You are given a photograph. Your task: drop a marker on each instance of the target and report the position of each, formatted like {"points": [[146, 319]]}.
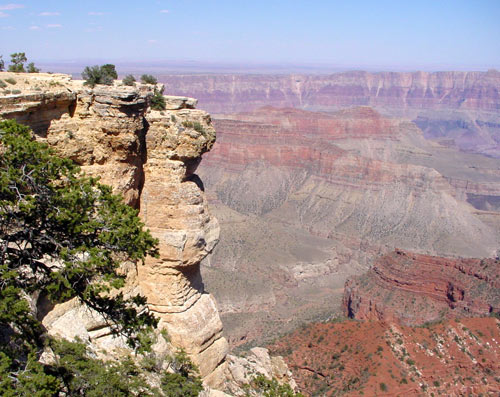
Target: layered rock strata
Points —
{"points": [[306, 199], [149, 157], [412, 289], [456, 108]]}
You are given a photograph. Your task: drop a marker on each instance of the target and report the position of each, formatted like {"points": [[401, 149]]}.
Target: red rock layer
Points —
{"points": [[412, 289], [453, 358], [305, 140]]}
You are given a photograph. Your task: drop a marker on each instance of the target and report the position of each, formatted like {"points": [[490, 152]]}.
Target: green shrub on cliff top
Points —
{"points": [[158, 101], [94, 75], [148, 79]]}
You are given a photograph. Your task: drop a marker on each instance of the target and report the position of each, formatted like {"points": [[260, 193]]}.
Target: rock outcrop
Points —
{"points": [[149, 157], [412, 289]]}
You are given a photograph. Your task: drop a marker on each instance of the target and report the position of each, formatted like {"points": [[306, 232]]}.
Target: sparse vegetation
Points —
{"points": [[149, 79], [129, 80], [2, 84], [2, 64], [11, 81], [272, 388]]}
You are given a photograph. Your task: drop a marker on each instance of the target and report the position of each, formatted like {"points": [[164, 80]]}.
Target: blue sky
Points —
{"points": [[419, 34]]}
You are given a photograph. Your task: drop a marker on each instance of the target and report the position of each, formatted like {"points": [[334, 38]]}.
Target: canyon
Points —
{"points": [[365, 195], [458, 109], [307, 199], [414, 289]]}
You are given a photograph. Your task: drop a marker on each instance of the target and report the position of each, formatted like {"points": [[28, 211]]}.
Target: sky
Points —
{"points": [[351, 34]]}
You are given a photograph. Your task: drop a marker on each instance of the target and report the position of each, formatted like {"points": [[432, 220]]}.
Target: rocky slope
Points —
{"points": [[306, 199], [457, 108], [149, 157], [452, 358], [412, 289]]}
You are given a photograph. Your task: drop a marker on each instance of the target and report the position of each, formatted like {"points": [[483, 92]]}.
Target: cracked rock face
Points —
{"points": [[149, 157]]}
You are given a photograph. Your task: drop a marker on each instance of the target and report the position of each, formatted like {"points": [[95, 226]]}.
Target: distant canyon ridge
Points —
{"points": [[459, 109]]}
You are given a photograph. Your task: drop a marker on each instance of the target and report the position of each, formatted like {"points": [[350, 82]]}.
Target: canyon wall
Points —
{"points": [[412, 289], [306, 199], [456, 108], [150, 158]]}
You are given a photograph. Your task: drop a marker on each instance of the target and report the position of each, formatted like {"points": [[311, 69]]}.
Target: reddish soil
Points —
{"points": [[412, 289], [452, 358]]}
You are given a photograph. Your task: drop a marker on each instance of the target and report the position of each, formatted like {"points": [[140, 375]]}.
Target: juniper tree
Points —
{"points": [[63, 235]]}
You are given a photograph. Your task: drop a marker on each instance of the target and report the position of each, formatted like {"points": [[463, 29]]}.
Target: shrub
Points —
{"points": [[129, 80], [271, 388], [148, 79], [199, 128], [2, 84], [158, 101], [383, 386], [110, 70], [32, 68], [2, 64], [94, 75], [10, 80]]}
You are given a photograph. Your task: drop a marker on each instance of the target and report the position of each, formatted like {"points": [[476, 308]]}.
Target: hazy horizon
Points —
{"points": [[321, 35]]}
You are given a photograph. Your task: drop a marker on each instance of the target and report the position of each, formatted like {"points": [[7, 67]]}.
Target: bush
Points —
{"points": [[94, 75], [32, 68], [271, 388], [148, 79], [129, 80], [2, 64], [158, 101], [2, 84], [10, 80], [110, 70], [383, 386]]}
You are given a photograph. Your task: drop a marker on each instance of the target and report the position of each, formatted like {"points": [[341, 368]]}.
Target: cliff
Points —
{"points": [[150, 158], [457, 108], [306, 199], [412, 289]]}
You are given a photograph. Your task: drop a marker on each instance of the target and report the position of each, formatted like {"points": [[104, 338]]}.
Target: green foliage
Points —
{"points": [[17, 61], [109, 70], [129, 80], [84, 375], [148, 79], [2, 84], [32, 68], [62, 235], [10, 80], [383, 386], [158, 101], [94, 75], [272, 388], [2, 64]]}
